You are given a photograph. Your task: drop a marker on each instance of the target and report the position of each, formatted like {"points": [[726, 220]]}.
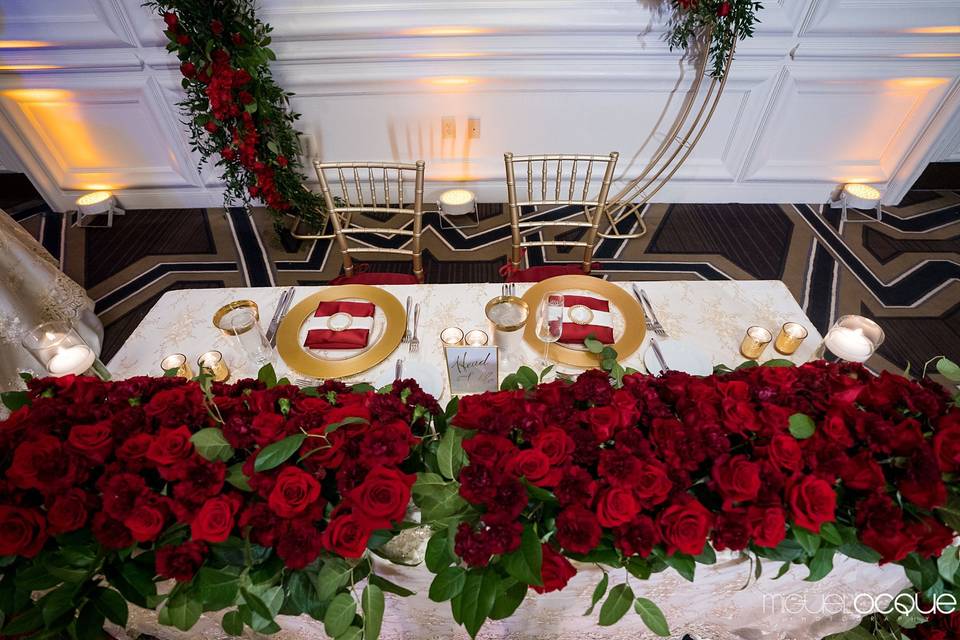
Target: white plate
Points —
{"points": [[379, 324], [681, 355], [429, 378]]}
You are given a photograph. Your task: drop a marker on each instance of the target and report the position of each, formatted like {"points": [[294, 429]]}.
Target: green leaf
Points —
{"points": [[779, 362], [922, 572], [859, 551], [256, 604], [352, 633], [89, 624], [35, 578], [546, 371], [274, 455], [113, 607], [267, 375], [477, 598], [58, 603], [232, 623], [339, 615], [217, 589], [13, 400], [371, 601], [238, 478], [616, 605], [447, 584], [182, 611], [830, 533], [332, 576], [450, 454], [802, 426], [707, 556], [251, 108], [390, 587], [539, 493], [211, 444], [593, 345], [30, 620], [857, 633], [510, 595], [949, 369], [821, 564], [949, 562], [436, 497], [683, 564], [787, 551], [748, 364], [808, 540], [524, 564], [438, 554], [527, 377], [330, 428], [950, 512], [598, 592], [652, 617]]}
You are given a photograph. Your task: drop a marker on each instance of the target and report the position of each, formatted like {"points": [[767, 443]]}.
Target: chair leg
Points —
{"points": [[418, 267], [347, 264]]}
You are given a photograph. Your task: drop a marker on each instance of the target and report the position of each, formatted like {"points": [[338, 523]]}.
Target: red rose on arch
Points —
{"points": [[616, 506], [556, 571], [181, 562], [684, 525], [578, 530], [346, 535], [214, 521], [68, 512], [382, 497], [22, 531], [812, 502], [737, 478], [293, 491]]}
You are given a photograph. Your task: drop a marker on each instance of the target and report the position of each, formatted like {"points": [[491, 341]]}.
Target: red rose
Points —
{"points": [[616, 506], [731, 530], [576, 486], [183, 39], [300, 544], [216, 27], [556, 571], [382, 497], [769, 526], [245, 97], [737, 479], [812, 502], [723, 10], [188, 69], [236, 38], [111, 533], [603, 421], [41, 464], [577, 529], [180, 563], [93, 441], [487, 449], [652, 484], [785, 452], [134, 449], [534, 465], [293, 492], [282, 161], [170, 446], [863, 473], [214, 521], [68, 512], [932, 537], [922, 484], [171, 19], [946, 442], [556, 444], [638, 537], [21, 531], [120, 493], [346, 536], [684, 525], [212, 126], [145, 522], [880, 526]]}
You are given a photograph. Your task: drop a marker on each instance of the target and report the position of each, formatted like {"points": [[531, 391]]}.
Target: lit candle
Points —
{"points": [[849, 344], [790, 338], [75, 359], [451, 336], [475, 338]]}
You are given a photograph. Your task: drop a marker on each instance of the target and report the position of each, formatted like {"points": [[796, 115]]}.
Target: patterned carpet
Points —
{"points": [[903, 271]]}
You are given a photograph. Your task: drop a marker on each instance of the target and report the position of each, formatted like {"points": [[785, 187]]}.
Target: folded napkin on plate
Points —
{"points": [[600, 326], [353, 337]]}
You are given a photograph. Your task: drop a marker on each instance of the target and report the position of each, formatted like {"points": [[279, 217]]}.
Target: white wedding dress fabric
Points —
{"points": [[33, 290]]}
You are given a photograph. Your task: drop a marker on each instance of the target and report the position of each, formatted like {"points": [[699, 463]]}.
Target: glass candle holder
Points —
{"points": [[61, 351], [177, 361], [851, 338], [475, 338], [790, 338], [451, 337], [244, 325], [212, 363], [755, 342]]}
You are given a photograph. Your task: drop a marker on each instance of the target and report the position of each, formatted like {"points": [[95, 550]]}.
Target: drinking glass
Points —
{"points": [[243, 324], [550, 324]]}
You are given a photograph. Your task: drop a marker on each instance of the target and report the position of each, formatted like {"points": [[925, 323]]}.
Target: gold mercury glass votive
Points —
{"points": [[451, 337], [755, 342], [179, 362], [475, 338], [790, 338], [212, 362]]}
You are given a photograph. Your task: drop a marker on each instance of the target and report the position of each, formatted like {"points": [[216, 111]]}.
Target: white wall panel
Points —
{"points": [[828, 90]]}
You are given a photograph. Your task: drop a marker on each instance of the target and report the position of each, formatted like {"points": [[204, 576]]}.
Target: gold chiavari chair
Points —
{"points": [[375, 189], [557, 180]]}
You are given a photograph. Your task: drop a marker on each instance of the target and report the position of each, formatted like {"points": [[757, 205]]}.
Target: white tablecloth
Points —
{"points": [[717, 607]]}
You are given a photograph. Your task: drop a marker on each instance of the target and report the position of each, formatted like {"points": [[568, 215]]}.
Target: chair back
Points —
{"points": [[364, 201], [556, 180]]}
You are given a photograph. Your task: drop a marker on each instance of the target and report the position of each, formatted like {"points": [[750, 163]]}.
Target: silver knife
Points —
{"points": [[653, 316], [282, 307], [648, 320], [659, 355]]}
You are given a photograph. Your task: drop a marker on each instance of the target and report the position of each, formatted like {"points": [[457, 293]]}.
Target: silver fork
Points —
{"points": [[655, 322], [406, 333], [398, 370], [415, 341]]}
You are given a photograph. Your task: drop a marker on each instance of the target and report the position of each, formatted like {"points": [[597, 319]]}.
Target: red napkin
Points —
{"points": [[574, 333], [348, 338]]}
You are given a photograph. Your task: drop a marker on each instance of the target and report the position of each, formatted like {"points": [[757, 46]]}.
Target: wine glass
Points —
{"points": [[549, 324]]}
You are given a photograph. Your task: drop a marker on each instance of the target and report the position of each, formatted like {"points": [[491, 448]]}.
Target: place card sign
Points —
{"points": [[472, 369]]}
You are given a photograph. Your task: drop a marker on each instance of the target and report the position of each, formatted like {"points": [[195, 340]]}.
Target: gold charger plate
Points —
{"points": [[634, 324], [299, 359]]}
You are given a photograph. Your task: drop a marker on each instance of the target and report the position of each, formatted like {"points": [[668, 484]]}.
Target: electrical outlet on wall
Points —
{"points": [[448, 127], [473, 127]]}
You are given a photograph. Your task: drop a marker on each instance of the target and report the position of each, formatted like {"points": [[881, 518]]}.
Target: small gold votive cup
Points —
{"points": [[755, 342], [790, 338], [475, 338], [212, 363], [179, 362], [451, 337]]}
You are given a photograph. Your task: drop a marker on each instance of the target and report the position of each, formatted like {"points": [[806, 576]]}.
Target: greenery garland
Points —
{"points": [[726, 20], [233, 106]]}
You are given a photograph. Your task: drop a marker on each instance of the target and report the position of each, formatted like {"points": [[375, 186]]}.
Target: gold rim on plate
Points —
{"points": [[634, 325], [300, 360]]}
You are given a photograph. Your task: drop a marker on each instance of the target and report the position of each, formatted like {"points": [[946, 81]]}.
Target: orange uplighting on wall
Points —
{"points": [[450, 81], [24, 44], [38, 95], [930, 55], [448, 54], [915, 83], [942, 30], [28, 67], [445, 31]]}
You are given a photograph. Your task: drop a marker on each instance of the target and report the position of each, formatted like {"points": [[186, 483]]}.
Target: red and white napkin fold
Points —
{"points": [[321, 336], [600, 326]]}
